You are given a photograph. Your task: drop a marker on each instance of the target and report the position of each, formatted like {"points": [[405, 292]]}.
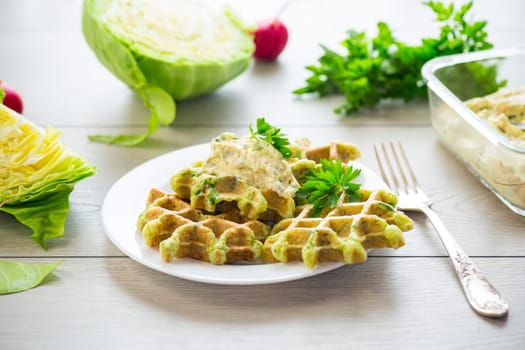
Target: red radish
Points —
{"points": [[270, 39], [12, 99]]}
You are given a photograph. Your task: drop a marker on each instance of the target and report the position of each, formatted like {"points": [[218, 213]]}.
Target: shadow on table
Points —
{"points": [[353, 290]]}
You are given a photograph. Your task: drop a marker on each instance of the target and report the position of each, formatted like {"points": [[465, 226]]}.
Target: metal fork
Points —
{"points": [[480, 293]]}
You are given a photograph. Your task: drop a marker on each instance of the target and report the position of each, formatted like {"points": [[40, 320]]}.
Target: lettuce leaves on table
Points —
{"points": [[17, 277], [37, 174]]}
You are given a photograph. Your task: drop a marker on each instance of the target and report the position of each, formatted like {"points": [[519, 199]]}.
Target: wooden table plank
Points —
{"points": [[395, 302]]}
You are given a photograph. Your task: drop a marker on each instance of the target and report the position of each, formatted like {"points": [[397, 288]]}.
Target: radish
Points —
{"points": [[12, 99], [270, 39]]}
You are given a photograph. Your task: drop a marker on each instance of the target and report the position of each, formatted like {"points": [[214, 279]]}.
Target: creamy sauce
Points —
{"points": [[505, 111], [254, 161]]}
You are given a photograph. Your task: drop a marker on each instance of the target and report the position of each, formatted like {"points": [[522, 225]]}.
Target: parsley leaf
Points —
{"points": [[324, 186], [382, 67], [272, 135]]}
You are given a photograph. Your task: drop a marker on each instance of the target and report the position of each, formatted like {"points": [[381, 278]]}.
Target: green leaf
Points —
{"points": [[17, 277], [443, 13], [160, 103], [272, 135], [45, 216], [128, 140], [163, 110], [327, 182], [2, 95]]}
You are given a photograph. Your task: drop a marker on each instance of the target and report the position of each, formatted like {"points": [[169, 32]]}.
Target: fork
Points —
{"points": [[480, 293]]}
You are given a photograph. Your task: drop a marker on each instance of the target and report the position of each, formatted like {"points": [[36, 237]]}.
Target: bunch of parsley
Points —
{"points": [[383, 67]]}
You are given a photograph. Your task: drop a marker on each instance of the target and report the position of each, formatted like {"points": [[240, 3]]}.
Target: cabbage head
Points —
{"points": [[165, 50], [37, 174]]}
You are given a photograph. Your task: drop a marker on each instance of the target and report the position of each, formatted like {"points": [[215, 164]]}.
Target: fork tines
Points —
{"points": [[406, 181]]}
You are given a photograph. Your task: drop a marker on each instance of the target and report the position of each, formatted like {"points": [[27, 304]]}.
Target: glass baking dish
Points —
{"points": [[496, 161]]}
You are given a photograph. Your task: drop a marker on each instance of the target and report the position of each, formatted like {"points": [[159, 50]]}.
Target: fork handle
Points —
{"points": [[480, 293]]}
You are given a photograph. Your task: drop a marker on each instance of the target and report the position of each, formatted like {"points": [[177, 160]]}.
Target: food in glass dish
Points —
{"points": [[505, 111], [489, 148]]}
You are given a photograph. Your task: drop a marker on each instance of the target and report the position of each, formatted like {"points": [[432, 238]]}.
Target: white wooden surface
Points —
{"points": [[99, 298]]}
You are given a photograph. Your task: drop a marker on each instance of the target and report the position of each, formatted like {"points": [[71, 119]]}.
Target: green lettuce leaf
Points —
{"points": [[162, 109], [37, 174], [17, 277], [45, 216]]}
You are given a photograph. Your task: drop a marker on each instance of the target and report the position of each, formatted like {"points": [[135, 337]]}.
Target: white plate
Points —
{"points": [[127, 199]]}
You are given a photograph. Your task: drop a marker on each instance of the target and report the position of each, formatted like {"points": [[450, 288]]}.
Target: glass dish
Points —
{"points": [[496, 161]]}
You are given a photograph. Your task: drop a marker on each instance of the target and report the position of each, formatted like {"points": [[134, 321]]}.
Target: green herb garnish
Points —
{"points": [[272, 135], [2, 95], [382, 67], [326, 183]]}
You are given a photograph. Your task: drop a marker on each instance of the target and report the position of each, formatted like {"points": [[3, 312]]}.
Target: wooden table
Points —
{"points": [[101, 299]]}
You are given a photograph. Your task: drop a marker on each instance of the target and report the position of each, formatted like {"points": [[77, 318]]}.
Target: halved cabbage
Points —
{"points": [[165, 50], [37, 174]]}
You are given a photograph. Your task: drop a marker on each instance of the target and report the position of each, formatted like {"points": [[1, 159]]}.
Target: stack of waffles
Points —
{"points": [[222, 219]]}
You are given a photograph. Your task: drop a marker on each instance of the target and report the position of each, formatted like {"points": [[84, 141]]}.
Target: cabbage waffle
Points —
{"points": [[343, 234], [181, 231], [205, 191], [343, 152]]}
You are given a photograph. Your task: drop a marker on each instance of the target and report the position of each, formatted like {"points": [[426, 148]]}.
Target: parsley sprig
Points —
{"points": [[272, 135], [324, 186], [381, 67]]}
